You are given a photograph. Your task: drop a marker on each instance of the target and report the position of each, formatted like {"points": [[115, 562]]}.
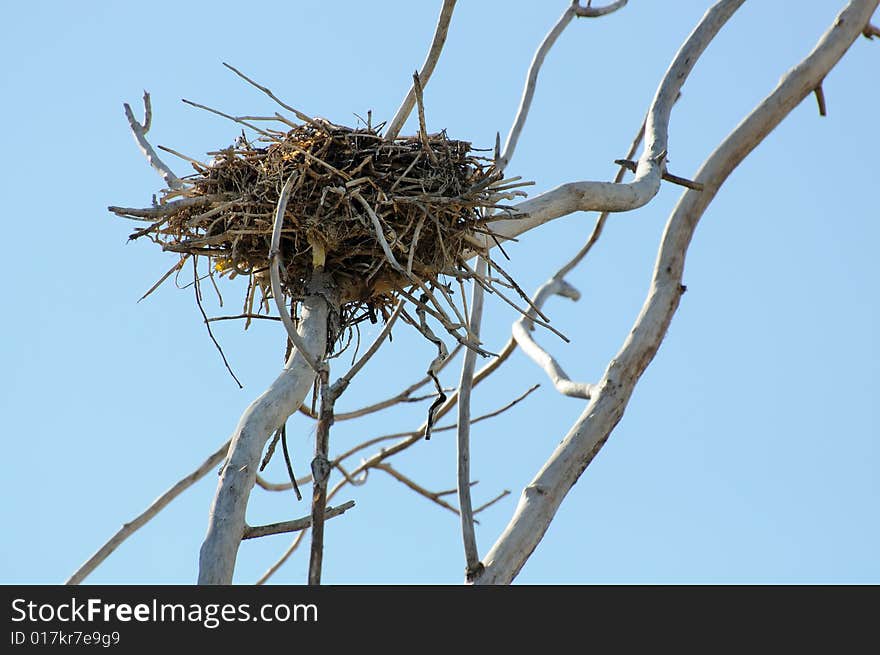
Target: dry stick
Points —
{"points": [[411, 484], [489, 504], [295, 525], [522, 334], [280, 486], [241, 316], [542, 497], [440, 32], [820, 99], [348, 477], [235, 119], [140, 136], [198, 294], [300, 115], [535, 67], [320, 474], [280, 562], [275, 275], [423, 130], [144, 517], [469, 539], [159, 282], [342, 383]]}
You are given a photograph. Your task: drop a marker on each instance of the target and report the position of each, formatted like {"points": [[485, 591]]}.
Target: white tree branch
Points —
{"points": [[275, 275], [436, 48], [522, 330], [537, 61], [609, 196], [542, 497], [139, 131], [226, 524], [469, 538]]}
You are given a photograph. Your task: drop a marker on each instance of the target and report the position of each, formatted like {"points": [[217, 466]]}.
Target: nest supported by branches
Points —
{"points": [[384, 218]]}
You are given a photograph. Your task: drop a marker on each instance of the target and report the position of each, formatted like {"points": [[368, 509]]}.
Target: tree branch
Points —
{"points": [[542, 497], [227, 518], [295, 525], [424, 75], [528, 94], [522, 334], [614, 197], [469, 538], [139, 131]]}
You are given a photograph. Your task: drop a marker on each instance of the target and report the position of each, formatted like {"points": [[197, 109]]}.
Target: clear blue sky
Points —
{"points": [[749, 452]]}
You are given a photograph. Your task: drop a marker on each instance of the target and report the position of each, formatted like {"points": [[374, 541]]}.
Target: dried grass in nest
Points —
{"points": [[429, 194]]}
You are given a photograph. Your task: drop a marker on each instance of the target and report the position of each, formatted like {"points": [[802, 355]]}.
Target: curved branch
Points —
{"points": [[139, 131], [609, 196], [541, 498], [295, 525], [436, 48], [266, 414], [522, 333], [535, 67]]}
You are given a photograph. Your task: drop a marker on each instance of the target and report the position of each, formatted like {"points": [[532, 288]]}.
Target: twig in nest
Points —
{"points": [[423, 132]]}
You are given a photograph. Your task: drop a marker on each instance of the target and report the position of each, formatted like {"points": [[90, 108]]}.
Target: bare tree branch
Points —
{"points": [[528, 94], [144, 517], [295, 525], [522, 333], [259, 421], [542, 497], [608, 196], [139, 131], [469, 538], [275, 275], [440, 32]]}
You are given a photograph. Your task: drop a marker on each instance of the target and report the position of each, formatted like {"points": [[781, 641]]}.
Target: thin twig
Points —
{"points": [[281, 560], [489, 504], [198, 294], [469, 539], [295, 525], [669, 177], [144, 517], [140, 136], [396, 123], [300, 115], [340, 385], [411, 484], [423, 130], [320, 474]]}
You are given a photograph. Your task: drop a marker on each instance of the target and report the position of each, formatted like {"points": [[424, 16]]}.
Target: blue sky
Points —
{"points": [[749, 452]]}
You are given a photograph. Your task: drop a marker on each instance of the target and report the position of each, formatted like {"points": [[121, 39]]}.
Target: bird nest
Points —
{"points": [[386, 218]]}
